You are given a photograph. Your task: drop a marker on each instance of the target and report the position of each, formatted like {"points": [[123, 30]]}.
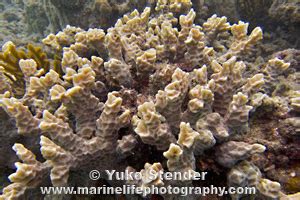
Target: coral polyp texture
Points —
{"points": [[154, 88]]}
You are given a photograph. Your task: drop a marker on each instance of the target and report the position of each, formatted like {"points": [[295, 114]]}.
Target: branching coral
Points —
{"points": [[17, 70], [246, 174], [204, 99]]}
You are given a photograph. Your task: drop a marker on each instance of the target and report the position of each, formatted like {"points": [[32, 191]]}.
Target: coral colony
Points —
{"points": [[154, 92]]}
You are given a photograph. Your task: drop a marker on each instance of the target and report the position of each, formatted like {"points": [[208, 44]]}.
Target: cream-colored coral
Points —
{"points": [[238, 113], [186, 22], [231, 152], [200, 140], [151, 127], [169, 100], [195, 47], [269, 188], [215, 124], [170, 41], [200, 103], [110, 121], [213, 28], [150, 175], [60, 161], [155, 167], [227, 78], [215, 25], [253, 84], [101, 108], [90, 39], [187, 136], [199, 76], [70, 59], [28, 175], [75, 100], [28, 67], [295, 100], [290, 196], [275, 68], [26, 123], [145, 62], [118, 72], [239, 31], [243, 43], [246, 174], [62, 38], [178, 160]]}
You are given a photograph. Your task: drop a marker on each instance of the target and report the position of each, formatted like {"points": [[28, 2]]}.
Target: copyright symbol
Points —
{"points": [[94, 175]]}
